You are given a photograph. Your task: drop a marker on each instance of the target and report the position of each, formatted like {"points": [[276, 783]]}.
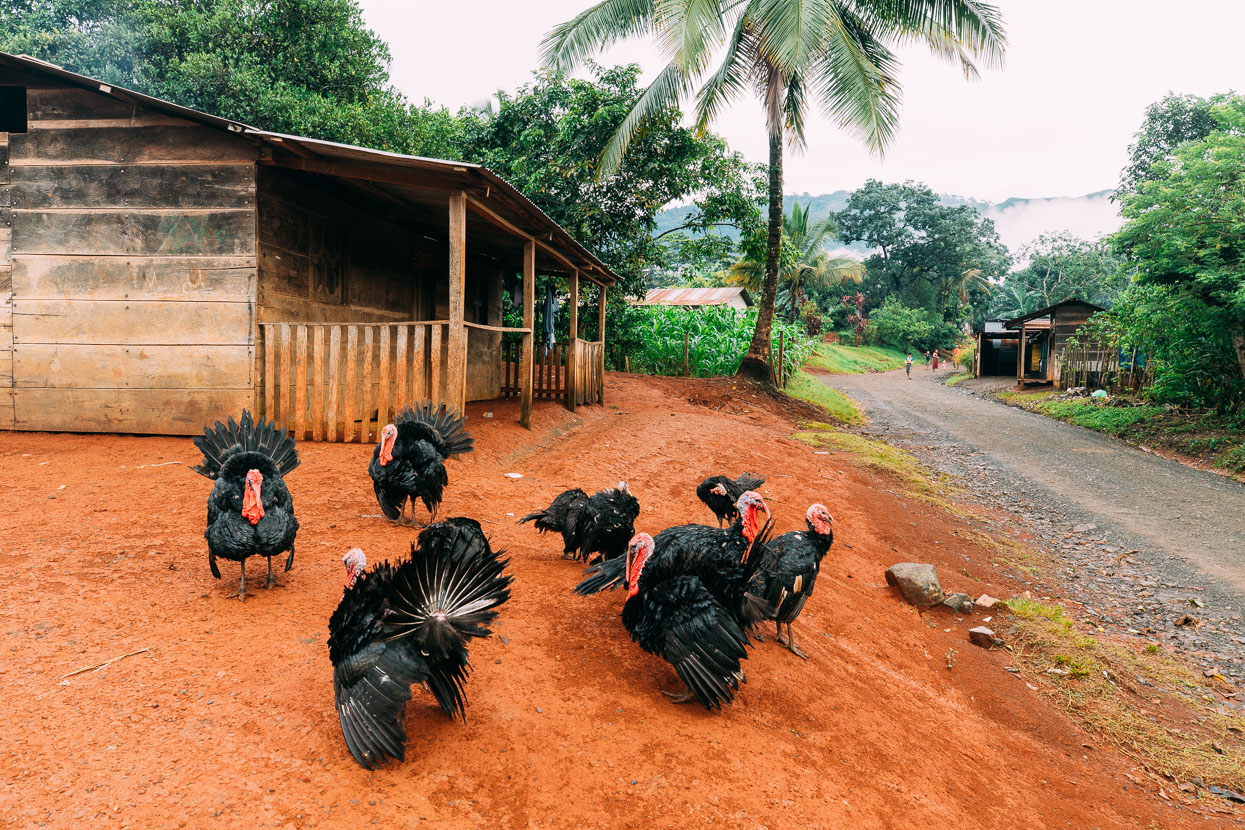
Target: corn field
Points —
{"points": [[717, 339]]}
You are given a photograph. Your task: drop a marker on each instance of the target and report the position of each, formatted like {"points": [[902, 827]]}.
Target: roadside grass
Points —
{"points": [[1025, 399], [838, 360], [957, 378], [838, 406], [1146, 704], [1113, 420]]}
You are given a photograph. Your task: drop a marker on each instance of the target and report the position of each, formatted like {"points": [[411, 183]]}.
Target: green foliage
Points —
{"points": [[308, 67], [1233, 459], [904, 328], [1060, 267], [837, 359], [718, 336], [837, 405], [1113, 420], [545, 139], [928, 256], [1168, 123]]}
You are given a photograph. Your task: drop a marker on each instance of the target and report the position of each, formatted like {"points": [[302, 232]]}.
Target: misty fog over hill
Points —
{"points": [[1018, 221]]}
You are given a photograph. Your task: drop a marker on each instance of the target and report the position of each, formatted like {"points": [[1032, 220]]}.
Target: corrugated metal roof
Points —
{"points": [[477, 178], [695, 296], [1043, 312]]}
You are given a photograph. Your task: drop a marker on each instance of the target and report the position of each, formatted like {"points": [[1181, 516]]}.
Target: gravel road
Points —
{"points": [[1167, 540]]}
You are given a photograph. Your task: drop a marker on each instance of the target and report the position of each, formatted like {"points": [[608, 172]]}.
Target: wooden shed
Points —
{"points": [[1042, 336], [161, 268]]}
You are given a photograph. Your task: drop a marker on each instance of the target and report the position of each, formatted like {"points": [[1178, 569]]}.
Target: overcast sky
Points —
{"points": [[1055, 120]]}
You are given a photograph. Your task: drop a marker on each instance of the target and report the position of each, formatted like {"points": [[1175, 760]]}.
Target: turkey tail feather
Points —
{"points": [[603, 576], [756, 608], [447, 423], [223, 440], [748, 481]]}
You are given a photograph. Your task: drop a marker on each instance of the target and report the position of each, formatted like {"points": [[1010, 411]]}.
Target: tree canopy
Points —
{"points": [[1060, 267]]}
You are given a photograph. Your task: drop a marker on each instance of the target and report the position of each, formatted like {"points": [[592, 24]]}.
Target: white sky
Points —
{"points": [[1054, 121]]}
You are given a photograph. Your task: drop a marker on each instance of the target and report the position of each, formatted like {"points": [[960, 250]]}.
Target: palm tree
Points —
{"points": [[804, 265], [792, 54]]}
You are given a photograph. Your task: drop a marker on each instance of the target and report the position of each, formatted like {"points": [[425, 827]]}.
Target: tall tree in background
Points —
{"points": [[1060, 267], [792, 55], [1169, 122]]}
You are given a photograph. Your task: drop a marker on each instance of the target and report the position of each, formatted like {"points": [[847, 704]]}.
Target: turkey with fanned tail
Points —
{"points": [[398, 625], [250, 512], [409, 460]]}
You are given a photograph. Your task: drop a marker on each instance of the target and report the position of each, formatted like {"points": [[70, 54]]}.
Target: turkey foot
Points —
{"points": [[272, 580], [789, 643]]}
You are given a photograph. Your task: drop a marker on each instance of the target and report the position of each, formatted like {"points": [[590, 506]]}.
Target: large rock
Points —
{"points": [[981, 636], [918, 583]]}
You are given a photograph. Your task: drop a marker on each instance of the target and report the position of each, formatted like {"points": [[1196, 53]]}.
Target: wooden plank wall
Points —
{"points": [[6, 290], [133, 267]]}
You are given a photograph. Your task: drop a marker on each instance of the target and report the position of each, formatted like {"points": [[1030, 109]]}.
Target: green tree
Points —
{"points": [[309, 67], [545, 139], [1061, 267], [1184, 226], [928, 255], [803, 263], [1168, 123], [793, 55]]}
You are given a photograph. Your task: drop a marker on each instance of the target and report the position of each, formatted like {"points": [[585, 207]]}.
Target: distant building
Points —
{"points": [[735, 297], [1030, 347]]}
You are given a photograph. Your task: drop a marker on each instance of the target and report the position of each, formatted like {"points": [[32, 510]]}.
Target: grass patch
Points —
{"points": [[845, 360], [954, 379], [1149, 706], [838, 406], [865, 452], [1233, 459], [1113, 420]]}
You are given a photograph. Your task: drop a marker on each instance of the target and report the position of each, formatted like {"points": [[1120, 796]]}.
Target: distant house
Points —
{"points": [[1031, 346], [735, 297]]}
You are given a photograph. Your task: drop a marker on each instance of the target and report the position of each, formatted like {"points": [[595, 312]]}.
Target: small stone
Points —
{"points": [[981, 636], [960, 603], [1085, 528], [985, 602], [917, 582]]}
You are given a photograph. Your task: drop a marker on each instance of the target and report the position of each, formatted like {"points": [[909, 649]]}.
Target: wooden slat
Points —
{"points": [[572, 356], [270, 368], [456, 335], [90, 366], [435, 393], [300, 383], [369, 397], [105, 186], [401, 381], [317, 385], [419, 374], [157, 233], [130, 145], [352, 381], [330, 412], [156, 411], [286, 379], [386, 369], [96, 322], [40, 277]]}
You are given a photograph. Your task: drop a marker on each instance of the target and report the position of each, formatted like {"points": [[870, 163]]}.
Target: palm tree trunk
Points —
{"points": [[757, 363]]}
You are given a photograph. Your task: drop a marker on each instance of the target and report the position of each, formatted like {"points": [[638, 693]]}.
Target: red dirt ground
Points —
{"points": [[228, 720]]}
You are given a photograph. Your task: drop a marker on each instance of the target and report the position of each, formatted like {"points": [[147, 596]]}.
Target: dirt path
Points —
{"points": [[895, 721], [1167, 539]]}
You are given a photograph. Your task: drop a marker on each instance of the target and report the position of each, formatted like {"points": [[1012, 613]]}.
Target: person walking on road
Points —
{"points": [[935, 361], [927, 358], [907, 366]]}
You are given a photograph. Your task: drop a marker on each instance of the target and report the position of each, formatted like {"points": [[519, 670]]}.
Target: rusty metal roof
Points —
{"points": [[483, 185], [695, 296]]}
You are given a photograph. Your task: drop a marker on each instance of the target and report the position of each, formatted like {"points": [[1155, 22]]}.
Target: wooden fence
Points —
{"points": [[343, 382], [549, 376], [590, 372], [1103, 366]]}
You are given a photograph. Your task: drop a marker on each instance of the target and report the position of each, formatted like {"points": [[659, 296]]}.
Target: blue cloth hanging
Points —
{"points": [[548, 312]]}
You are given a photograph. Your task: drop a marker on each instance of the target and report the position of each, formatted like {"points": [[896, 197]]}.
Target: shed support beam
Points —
{"points": [[529, 320], [456, 360], [572, 352], [601, 352], [1020, 358]]}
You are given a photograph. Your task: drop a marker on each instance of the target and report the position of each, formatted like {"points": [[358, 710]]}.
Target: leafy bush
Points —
{"points": [[1113, 420], [717, 339], [810, 315], [897, 325]]}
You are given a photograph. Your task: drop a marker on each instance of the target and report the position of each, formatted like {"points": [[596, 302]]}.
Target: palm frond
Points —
{"points": [[857, 80], [665, 90], [594, 30]]}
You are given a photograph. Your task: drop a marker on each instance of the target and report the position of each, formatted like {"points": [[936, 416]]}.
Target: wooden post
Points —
{"points": [[572, 354], [456, 360], [1020, 358], [781, 341], [601, 340], [529, 320]]}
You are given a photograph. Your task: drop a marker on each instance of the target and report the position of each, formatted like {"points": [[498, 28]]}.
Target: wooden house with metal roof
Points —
{"points": [[1040, 338], [161, 268]]}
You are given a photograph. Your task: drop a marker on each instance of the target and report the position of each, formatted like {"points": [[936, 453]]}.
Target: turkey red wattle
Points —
{"points": [[356, 563], [821, 520], [754, 512], [387, 436], [638, 552], [252, 501]]}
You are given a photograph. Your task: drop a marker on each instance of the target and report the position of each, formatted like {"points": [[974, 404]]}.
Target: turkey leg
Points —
{"points": [[789, 643], [241, 595]]}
